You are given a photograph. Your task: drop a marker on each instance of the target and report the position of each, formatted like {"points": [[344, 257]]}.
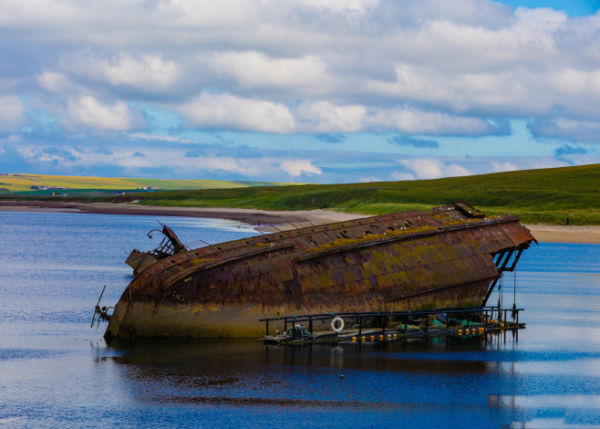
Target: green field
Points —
{"points": [[555, 195]]}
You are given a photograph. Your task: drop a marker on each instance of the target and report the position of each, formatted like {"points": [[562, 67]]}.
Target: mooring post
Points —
{"points": [[267, 327], [359, 326], [310, 325], [285, 325]]}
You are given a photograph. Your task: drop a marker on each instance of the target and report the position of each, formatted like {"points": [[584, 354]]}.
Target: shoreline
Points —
{"points": [[264, 219], [269, 221]]}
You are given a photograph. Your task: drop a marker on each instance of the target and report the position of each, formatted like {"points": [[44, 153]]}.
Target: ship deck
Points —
{"points": [[379, 327]]}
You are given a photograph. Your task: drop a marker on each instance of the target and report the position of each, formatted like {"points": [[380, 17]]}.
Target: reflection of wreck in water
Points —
{"points": [[450, 256]]}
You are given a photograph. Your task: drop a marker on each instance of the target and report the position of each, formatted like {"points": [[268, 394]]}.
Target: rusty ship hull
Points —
{"points": [[450, 256]]}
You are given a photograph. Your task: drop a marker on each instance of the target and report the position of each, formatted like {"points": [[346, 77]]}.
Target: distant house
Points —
{"points": [[39, 188]]}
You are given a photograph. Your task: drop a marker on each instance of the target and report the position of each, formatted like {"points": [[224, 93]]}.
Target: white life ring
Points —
{"points": [[337, 324]]}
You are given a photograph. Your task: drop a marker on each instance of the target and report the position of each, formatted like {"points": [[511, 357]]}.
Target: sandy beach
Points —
{"points": [[565, 234], [275, 220]]}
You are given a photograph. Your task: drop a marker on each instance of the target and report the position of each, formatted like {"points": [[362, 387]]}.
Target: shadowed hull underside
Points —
{"points": [[149, 320]]}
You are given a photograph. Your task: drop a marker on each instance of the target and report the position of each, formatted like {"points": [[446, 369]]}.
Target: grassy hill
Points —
{"points": [[77, 185], [553, 195], [539, 196]]}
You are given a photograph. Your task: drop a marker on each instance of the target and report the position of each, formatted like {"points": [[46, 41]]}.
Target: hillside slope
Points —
{"points": [[554, 195]]}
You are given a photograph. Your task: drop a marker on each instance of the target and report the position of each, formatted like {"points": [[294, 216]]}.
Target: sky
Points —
{"points": [[320, 91]]}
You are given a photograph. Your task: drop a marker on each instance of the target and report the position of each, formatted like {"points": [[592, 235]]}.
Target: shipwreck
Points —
{"points": [[448, 257]]}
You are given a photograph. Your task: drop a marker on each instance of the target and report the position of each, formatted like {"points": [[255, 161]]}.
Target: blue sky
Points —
{"points": [[303, 91], [572, 7]]}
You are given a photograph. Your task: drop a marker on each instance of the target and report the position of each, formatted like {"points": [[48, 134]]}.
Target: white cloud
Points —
{"points": [[87, 112], [548, 163], [432, 168], [575, 81], [456, 170], [155, 137], [255, 70], [398, 175], [228, 111], [202, 166], [369, 179], [54, 82], [431, 67], [414, 121], [298, 167], [148, 72], [504, 166], [340, 6], [424, 168], [568, 129], [323, 116], [12, 113]]}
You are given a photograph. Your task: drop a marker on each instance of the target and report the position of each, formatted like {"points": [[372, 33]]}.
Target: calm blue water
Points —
{"points": [[57, 372]]}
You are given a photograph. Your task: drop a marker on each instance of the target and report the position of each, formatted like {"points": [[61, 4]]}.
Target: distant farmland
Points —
{"points": [[38, 184]]}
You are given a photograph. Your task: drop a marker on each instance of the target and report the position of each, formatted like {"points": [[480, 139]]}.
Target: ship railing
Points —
{"points": [[382, 318]]}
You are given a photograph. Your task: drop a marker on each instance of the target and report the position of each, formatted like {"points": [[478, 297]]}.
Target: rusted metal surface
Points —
{"points": [[170, 245], [176, 244], [448, 256], [139, 261]]}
